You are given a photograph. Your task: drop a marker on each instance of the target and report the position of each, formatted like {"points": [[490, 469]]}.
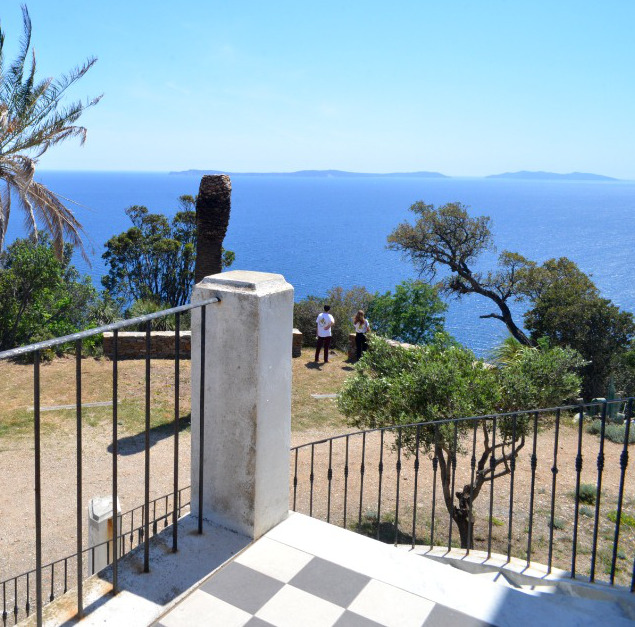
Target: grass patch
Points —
{"points": [[58, 388], [625, 519], [587, 511], [317, 378], [497, 522]]}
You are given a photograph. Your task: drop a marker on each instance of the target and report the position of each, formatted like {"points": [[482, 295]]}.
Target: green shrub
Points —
{"points": [[613, 432], [587, 494], [625, 519], [587, 511], [42, 296], [558, 524], [617, 433]]}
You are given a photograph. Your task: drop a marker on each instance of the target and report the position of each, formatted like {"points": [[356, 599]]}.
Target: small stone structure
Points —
{"points": [[352, 349], [296, 347], [132, 344]]}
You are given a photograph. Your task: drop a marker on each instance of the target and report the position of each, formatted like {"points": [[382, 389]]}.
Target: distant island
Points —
{"points": [[551, 176], [317, 174]]}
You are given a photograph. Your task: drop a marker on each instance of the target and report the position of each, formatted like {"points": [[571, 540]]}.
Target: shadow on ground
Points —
{"points": [[132, 444]]}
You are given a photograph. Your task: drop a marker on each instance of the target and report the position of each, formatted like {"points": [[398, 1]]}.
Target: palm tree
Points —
{"points": [[509, 351], [32, 119]]}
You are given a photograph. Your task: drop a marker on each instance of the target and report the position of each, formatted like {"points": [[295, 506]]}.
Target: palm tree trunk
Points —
{"points": [[212, 217]]}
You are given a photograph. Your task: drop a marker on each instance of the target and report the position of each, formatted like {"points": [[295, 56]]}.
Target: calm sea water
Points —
{"points": [[324, 232]]}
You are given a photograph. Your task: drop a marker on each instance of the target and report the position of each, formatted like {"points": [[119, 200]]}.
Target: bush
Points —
{"points": [[43, 297], [625, 519], [613, 432], [587, 494], [413, 314]]}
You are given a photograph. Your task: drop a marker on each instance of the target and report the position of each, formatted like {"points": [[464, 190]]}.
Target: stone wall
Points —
{"points": [[296, 347], [132, 344], [352, 349]]}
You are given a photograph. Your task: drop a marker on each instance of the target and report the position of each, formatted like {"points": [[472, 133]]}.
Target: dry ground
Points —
{"points": [[312, 419]]}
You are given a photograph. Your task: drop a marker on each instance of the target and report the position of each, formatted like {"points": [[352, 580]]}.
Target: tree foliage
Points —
{"points": [[154, 259], [413, 314], [448, 238], [568, 310], [42, 297], [443, 381], [564, 304], [33, 118]]}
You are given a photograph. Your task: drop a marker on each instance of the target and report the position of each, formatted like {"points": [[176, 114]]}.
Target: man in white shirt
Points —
{"points": [[325, 322]]}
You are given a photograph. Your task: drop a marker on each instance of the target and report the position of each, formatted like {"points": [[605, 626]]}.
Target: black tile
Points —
{"points": [[242, 587], [329, 581], [257, 622], [350, 619], [442, 616]]}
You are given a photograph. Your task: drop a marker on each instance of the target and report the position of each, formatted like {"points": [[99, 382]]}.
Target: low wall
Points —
{"points": [[352, 349], [132, 344], [296, 347]]}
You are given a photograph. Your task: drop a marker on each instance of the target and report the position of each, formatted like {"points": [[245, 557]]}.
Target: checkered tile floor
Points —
{"points": [[272, 584]]}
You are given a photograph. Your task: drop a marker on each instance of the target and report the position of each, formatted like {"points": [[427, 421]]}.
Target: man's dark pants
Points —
{"points": [[326, 342]]}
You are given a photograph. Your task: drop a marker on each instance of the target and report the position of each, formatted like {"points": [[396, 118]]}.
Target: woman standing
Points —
{"points": [[361, 329]]}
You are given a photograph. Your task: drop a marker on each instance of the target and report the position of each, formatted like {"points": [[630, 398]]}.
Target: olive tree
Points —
{"points": [[449, 238], [444, 381], [564, 305]]}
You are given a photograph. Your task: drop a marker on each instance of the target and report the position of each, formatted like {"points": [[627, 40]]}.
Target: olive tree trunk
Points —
{"points": [[212, 217]]}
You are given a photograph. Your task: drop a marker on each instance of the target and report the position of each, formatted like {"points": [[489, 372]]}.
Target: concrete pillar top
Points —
{"points": [[259, 282]]}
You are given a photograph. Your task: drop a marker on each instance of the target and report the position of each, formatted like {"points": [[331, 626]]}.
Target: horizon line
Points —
{"points": [[431, 173]]}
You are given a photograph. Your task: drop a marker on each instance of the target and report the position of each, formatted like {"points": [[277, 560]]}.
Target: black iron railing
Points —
{"points": [[521, 484], [61, 575], [35, 351]]}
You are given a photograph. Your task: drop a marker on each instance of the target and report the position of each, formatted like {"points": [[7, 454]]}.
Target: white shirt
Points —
{"points": [[324, 320], [361, 327]]}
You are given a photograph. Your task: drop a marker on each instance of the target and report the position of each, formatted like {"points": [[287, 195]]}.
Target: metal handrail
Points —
{"points": [[349, 462], [76, 340], [432, 423], [114, 326]]}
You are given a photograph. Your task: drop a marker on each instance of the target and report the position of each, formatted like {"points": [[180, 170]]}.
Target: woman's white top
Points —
{"points": [[362, 327]]}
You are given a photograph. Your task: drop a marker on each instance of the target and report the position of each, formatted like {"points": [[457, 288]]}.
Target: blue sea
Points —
{"points": [[325, 232]]}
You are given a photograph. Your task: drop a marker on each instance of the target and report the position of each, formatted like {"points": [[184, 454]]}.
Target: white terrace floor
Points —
{"points": [[306, 573]]}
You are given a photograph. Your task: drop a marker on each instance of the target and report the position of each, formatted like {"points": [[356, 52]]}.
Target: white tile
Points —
{"points": [[391, 606], [202, 610], [416, 574], [292, 607], [275, 559]]}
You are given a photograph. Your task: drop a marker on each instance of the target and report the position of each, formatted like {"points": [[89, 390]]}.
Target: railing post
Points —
{"points": [[247, 410]]}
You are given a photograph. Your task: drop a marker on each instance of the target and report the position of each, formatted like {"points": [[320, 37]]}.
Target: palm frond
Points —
{"points": [[32, 120]]}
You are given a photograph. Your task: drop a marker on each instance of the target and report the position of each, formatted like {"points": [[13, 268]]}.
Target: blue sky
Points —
{"points": [[467, 88]]}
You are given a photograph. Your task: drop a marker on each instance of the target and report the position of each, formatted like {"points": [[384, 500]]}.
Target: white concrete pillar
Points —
{"points": [[100, 531], [247, 428]]}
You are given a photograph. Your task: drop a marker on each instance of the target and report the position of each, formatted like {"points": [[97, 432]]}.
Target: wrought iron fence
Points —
{"points": [[41, 596], [61, 575], [540, 498]]}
